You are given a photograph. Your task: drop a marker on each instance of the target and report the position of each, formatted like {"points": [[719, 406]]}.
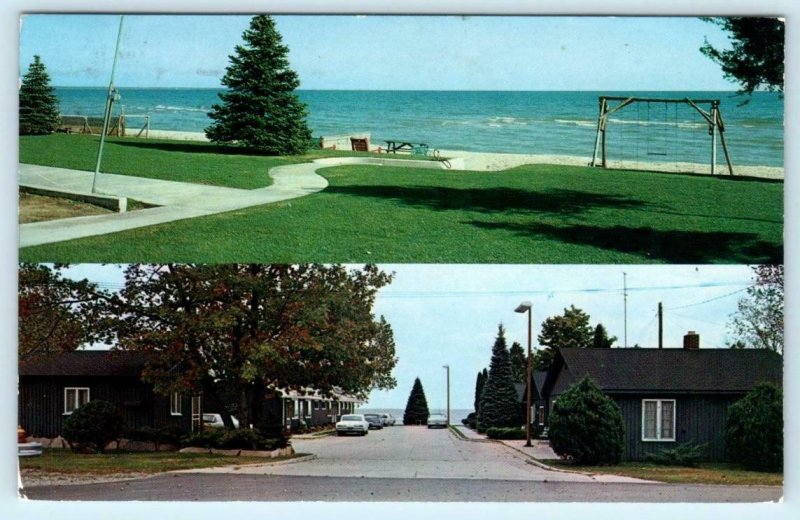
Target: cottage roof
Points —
{"points": [[86, 363], [668, 370]]}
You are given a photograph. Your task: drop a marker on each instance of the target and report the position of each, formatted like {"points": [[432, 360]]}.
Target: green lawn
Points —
{"points": [[531, 214], [66, 462], [706, 473], [183, 161]]}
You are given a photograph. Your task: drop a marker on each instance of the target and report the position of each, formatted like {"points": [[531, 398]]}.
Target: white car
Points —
{"points": [[352, 424], [437, 420], [388, 419], [214, 420]]}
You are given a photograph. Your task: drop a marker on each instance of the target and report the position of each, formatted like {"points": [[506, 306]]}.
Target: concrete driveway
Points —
{"points": [[413, 453]]}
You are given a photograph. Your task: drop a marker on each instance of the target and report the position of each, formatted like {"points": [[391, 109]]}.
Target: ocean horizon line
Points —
{"points": [[105, 87]]}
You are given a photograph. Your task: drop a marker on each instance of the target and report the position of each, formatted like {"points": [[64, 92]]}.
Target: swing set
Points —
{"points": [[656, 126]]}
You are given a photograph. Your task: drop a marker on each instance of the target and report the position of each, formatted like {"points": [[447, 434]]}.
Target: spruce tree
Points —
{"points": [[479, 382], [499, 406], [601, 339], [260, 110], [38, 104], [519, 364], [417, 407]]}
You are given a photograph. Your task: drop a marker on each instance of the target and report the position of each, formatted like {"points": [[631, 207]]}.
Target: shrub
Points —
{"points": [[93, 425], [754, 429], [586, 426], [170, 434], [228, 439], [505, 433], [470, 420], [687, 455]]}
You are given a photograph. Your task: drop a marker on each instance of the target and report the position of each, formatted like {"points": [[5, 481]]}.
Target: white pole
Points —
{"points": [[713, 137], [109, 102]]}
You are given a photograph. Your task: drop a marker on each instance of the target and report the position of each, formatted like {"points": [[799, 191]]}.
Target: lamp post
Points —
{"points": [[447, 367], [522, 308]]}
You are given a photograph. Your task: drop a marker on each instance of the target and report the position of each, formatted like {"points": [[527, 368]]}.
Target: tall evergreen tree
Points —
{"points": [[519, 365], [601, 339], [38, 104], [480, 381], [260, 109], [499, 406], [417, 406]]}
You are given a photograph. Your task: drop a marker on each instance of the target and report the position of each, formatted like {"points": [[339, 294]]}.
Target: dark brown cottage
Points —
{"points": [[51, 388], [667, 396]]}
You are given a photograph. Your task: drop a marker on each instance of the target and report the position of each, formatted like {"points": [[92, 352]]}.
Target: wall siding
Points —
{"points": [[41, 403], [699, 419]]}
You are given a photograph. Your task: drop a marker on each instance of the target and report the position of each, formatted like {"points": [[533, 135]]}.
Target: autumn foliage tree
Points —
{"points": [[250, 328], [56, 313]]}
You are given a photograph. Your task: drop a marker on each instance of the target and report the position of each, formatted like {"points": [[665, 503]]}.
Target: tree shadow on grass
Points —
{"points": [[187, 147], [492, 200], [668, 246]]}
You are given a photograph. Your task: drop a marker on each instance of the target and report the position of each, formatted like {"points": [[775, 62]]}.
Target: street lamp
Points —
{"points": [[447, 367], [522, 308]]}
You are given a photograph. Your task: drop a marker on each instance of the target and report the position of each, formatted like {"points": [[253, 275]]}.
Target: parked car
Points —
{"points": [[388, 419], [214, 420], [437, 420], [352, 424], [375, 421]]}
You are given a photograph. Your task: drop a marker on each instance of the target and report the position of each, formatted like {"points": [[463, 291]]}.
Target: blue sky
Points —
{"points": [[449, 314], [387, 52]]}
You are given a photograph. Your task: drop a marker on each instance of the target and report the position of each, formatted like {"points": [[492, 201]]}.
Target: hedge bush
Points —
{"points": [[228, 439], [687, 455], [754, 429], [93, 425], [586, 426], [171, 434], [505, 433]]}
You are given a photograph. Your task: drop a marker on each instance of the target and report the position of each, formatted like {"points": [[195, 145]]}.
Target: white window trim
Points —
{"points": [[77, 390], [658, 420], [175, 398]]}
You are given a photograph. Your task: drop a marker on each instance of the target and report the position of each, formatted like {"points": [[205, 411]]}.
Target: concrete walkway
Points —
{"points": [[176, 200]]}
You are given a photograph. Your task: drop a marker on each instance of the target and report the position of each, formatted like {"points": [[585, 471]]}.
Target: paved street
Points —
{"points": [[400, 464]]}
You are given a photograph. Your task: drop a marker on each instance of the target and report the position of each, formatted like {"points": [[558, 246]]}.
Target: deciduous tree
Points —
{"points": [[758, 322], [260, 109], [570, 330], [252, 327], [38, 104], [56, 313]]}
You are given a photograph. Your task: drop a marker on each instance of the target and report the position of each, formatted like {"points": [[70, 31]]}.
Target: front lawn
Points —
{"points": [[66, 462], [706, 473], [530, 214]]}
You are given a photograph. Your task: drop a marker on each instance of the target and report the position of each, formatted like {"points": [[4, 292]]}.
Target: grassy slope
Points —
{"points": [[532, 214]]}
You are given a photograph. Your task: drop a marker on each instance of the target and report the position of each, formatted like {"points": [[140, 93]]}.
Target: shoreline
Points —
{"points": [[492, 161]]}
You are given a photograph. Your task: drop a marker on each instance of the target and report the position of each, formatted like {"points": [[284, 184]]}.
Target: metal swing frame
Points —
{"points": [[713, 117]]}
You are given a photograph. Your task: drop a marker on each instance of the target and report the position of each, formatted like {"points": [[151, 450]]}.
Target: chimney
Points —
{"points": [[691, 341]]}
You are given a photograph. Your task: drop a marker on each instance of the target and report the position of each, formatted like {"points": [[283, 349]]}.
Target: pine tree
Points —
{"points": [[519, 365], [601, 339], [417, 407], [260, 109], [499, 406], [38, 104], [479, 382]]}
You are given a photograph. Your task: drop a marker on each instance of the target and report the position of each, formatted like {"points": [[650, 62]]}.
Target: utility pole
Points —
{"points": [[660, 325], [447, 367], [625, 306], [112, 93]]}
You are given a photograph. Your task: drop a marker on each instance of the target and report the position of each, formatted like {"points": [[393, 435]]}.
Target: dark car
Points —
{"points": [[375, 421]]}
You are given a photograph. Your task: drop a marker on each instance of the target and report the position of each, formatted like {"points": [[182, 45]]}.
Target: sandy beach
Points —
{"points": [[487, 161]]}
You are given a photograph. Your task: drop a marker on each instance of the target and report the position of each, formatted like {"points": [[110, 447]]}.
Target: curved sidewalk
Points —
{"points": [[176, 200]]}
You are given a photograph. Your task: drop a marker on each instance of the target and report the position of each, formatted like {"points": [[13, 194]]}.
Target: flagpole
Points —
{"points": [[109, 104]]}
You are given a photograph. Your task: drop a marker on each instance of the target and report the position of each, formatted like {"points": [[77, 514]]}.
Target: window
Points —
{"points": [[74, 397], [658, 419], [175, 404]]}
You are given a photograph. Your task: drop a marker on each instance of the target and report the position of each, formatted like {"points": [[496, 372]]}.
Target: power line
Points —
{"points": [[708, 300]]}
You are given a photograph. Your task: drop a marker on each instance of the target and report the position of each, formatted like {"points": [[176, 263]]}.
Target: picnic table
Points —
{"points": [[393, 146]]}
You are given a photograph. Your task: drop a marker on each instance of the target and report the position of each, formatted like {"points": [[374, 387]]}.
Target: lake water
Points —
{"points": [[557, 123], [455, 414]]}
